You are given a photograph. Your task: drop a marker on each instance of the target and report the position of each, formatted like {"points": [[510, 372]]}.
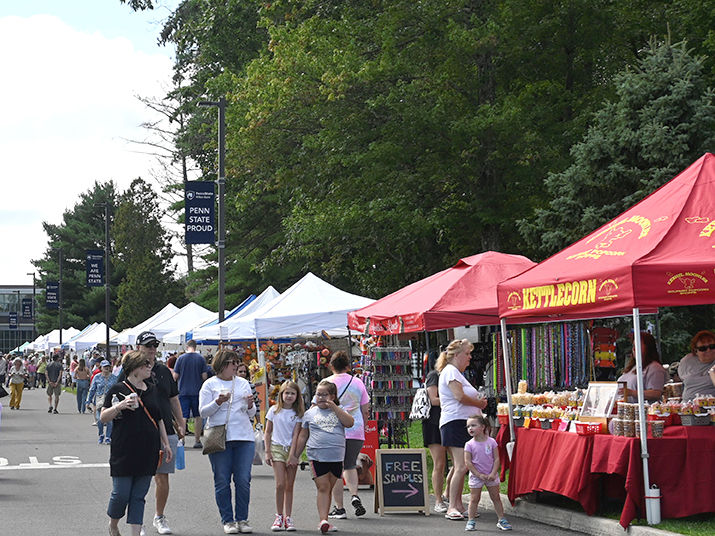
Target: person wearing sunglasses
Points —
{"points": [[696, 369], [654, 374]]}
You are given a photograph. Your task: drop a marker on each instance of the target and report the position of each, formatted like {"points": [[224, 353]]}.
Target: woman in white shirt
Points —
{"points": [[219, 393], [459, 400]]}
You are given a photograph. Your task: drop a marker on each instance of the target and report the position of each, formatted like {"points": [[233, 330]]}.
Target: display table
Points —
{"points": [[681, 464]]}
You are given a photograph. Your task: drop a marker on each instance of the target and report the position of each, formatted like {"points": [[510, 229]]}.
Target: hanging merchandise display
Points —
{"points": [[388, 375], [546, 356]]}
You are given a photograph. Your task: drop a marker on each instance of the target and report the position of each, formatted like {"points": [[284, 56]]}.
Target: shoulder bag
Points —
{"points": [[421, 405], [215, 440]]}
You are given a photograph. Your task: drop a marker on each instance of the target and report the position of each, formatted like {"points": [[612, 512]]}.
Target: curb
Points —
{"points": [[567, 519]]}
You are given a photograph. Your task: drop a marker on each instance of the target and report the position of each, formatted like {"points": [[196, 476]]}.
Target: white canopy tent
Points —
{"points": [[52, 339], [185, 318], [181, 335], [310, 306], [237, 324], [88, 338], [129, 335]]}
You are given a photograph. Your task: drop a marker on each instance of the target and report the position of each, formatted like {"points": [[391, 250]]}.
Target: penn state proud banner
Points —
{"points": [[199, 203]]}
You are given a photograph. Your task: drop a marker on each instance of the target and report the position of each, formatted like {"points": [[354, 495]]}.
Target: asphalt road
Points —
{"points": [[54, 479]]}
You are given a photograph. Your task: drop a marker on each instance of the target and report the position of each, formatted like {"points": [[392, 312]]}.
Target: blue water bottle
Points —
{"points": [[180, 459]]}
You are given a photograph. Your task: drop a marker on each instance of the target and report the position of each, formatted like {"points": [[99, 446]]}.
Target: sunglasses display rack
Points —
{"points": [[388, 376]]}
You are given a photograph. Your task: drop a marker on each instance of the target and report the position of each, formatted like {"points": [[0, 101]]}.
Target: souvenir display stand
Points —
{"points": [[388, 378]]}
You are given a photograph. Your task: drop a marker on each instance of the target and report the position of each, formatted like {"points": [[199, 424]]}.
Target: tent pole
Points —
{"points": [[641, 405], [507, 377]]}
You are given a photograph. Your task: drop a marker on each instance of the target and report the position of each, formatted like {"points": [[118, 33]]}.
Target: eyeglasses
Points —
{"points": [[705, 347], [154, 344]]}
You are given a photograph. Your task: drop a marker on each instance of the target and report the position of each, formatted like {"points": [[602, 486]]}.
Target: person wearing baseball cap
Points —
{"points": [[168, 395], [98, 389]]}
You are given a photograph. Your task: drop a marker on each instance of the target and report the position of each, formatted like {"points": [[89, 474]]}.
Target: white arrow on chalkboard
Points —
{"points": [[408, 492]]}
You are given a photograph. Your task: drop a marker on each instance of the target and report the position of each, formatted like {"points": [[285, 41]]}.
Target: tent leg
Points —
{"points": [[641, 406], [507, 377]]}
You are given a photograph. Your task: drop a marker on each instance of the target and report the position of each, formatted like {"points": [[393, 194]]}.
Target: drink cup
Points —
{"points": [[133, 400]]}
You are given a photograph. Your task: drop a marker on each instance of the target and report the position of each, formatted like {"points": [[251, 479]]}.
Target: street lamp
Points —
{"points": [[17, 328], [34, 325], [221, 181], [106, 276], [59, 296]]}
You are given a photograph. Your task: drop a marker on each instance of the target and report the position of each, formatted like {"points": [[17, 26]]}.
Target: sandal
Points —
{"points": [[454, 516]]}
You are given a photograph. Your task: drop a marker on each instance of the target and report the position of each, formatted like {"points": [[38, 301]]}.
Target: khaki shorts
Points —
{"points": [[56, 390], [279, 453]]}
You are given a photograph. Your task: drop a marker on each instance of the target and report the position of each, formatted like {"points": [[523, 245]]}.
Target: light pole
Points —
{"points": [[59, 293], [221, 181], [34, 326], [107, 296], [17, 309]]}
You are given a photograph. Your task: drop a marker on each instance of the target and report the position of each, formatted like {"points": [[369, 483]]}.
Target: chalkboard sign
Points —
{"points": [[401, 481]]}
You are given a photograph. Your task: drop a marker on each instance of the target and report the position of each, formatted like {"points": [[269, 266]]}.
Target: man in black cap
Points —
{"points": [[168, 391]]}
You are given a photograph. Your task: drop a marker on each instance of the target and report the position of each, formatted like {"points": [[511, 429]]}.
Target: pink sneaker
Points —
{"points": [[277, 523], [326, 527]]}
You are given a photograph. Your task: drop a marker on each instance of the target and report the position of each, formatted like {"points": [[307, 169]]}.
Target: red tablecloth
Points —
{"points": [[682, 464]]}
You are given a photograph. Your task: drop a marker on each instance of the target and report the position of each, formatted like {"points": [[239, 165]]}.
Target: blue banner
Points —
{"points": [[12, 319], [199, 201], [27, 308], [95, 268], [52, 295]]}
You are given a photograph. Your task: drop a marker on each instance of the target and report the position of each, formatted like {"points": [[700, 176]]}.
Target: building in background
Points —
{"points": [[11, 297]]}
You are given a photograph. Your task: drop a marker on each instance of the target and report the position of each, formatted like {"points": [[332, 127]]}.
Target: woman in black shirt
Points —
{"points": [[137, 435]]}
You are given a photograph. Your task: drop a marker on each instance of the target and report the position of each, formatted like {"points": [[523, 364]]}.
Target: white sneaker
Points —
{"points": [[160, 525], [244, 527], [440, 508], [230, 528], [142, 532]]}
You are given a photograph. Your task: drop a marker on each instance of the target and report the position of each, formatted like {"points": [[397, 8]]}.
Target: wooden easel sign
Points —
{"points": [[401, 483]]}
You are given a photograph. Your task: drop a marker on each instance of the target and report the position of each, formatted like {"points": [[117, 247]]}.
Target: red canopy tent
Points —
{"points": [[462, 295], [660, 252]]}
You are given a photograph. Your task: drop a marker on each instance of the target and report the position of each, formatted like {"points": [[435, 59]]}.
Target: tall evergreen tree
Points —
{"points": [[82, 228], [143, 247], [661, 121]]}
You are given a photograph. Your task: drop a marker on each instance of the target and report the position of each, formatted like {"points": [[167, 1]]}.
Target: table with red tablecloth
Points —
{"points": [[681, 464]]}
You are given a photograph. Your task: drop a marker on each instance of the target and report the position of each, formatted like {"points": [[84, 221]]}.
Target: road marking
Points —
{"points": [[60, 462]]}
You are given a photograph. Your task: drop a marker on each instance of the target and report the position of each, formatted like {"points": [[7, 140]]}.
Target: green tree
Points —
{"points": [[143, 247], [82, 228], [661, 121]]}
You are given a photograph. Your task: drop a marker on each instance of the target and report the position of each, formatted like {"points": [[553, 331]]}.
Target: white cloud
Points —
{"points": [[69, 103]]}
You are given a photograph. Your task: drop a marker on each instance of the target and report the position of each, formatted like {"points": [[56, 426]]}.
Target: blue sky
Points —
{"points": [[72, 71]]}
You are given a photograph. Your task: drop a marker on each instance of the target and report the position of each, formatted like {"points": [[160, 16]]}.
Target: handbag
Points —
{"points": [[421, 405], [3, 392], [215, 440]]}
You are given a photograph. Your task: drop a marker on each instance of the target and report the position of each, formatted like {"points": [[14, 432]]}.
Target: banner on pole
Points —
{"points": [[95, 268], [27, 308], [52, 295], [199, 199], [12, 319]]}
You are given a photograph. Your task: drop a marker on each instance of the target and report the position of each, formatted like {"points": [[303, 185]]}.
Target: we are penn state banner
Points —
{"points": [[95, 268], [199, 198]]}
